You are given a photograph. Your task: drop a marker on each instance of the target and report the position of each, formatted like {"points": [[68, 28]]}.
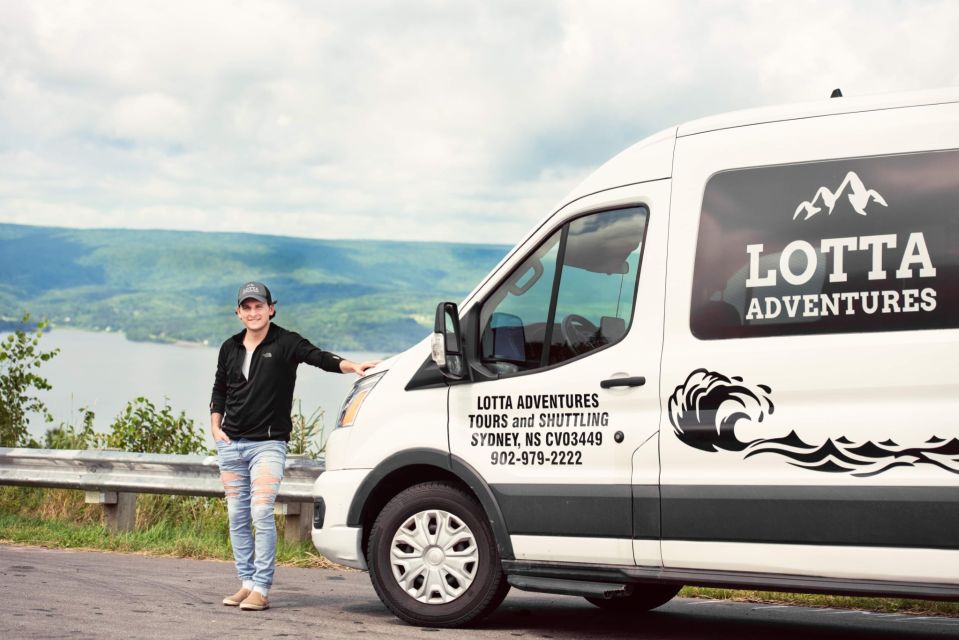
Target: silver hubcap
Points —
{"points": [[434, 556]]}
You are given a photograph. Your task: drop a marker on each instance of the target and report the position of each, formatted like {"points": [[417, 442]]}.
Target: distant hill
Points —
{"points": [[180, 285]]}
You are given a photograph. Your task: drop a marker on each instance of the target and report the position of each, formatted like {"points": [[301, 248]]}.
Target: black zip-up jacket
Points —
{"points": [[259, 408]]}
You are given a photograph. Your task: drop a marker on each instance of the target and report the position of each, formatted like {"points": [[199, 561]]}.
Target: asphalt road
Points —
{"points": [[48, 593]]}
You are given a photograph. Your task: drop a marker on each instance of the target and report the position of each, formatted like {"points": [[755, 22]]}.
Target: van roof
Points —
{"points": [[651, 158], [828, 106]]}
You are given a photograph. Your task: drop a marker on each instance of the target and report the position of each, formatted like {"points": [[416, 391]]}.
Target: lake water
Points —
{"points": [[104, 371]]}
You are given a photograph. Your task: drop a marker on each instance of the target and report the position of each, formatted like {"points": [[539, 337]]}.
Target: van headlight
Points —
{"points": [[355, 400]]}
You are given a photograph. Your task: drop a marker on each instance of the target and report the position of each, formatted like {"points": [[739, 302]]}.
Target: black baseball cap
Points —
{"points": [[255, 290]]}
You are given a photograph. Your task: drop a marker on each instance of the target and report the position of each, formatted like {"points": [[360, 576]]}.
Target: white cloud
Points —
{"points": [[147, 117], [412, 120]]}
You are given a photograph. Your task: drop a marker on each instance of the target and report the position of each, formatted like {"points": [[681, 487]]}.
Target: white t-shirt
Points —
{"points": [[246, 364]]}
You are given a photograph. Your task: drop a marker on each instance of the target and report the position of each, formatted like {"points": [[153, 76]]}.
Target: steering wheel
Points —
{"points": [[579, 333]]}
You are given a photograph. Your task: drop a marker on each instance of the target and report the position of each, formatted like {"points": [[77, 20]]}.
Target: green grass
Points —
{"points": [[180, 526], [160, 539], [188, 527], [881, 605]]}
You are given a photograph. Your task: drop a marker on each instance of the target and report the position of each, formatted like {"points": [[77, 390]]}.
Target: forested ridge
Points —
{"points": [[167, 286]]}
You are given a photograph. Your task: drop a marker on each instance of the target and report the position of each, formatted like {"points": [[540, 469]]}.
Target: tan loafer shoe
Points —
{"points": [[236, 598], [255, 602]]}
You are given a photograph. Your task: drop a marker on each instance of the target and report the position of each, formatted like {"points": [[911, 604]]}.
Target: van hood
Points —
{"points": [[384, 365]]}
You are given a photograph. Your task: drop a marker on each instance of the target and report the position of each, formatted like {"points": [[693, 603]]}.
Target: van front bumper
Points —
{"points": [[334, 538]]}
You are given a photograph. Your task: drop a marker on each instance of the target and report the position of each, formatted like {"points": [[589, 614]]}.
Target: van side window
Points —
{"points": [[573, 295], [838, 246]]}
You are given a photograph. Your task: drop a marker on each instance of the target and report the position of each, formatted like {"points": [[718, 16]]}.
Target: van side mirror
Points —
{"points": [[447, 343]]}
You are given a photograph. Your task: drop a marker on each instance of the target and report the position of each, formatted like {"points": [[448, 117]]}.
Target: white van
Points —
{"points": [[728, 358]]}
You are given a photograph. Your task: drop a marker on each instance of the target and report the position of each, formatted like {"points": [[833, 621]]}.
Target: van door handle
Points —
{"points": [[635, 381]]}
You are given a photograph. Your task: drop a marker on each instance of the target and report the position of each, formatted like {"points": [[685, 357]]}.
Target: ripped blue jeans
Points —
{"points": [[251, 472]]}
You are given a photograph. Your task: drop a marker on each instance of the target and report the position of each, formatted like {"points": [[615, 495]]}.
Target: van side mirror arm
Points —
{"points": [[447, 342]]}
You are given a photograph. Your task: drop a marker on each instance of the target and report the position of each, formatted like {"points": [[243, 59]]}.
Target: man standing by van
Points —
{"points": [[250, 423]]}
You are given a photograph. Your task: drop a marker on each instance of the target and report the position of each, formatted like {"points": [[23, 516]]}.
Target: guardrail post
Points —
{"points": [[299, 515], [119, 509], [299, 520]]}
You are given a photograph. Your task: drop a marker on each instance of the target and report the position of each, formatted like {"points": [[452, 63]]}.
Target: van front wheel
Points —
{"points": [[432, 557], [643, 598]]}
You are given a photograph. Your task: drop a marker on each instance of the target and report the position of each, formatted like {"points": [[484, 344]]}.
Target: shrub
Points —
{"points": [[67, 436], [306, 433], [142, 428], [20, 354]]}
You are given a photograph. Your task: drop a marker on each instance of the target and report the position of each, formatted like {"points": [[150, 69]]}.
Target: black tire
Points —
{"points": [[643, 598], [480, 596]]}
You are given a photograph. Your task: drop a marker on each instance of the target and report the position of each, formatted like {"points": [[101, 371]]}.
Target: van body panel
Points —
{"points": [[385, 430], [574, 549], [647, 525], [925, 565], [337, 539], [587, 494], [337, 448], [648, 553], [842, 414]]}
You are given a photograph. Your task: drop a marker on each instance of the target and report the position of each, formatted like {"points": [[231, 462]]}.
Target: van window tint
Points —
{"points": [[853, 245], [573, 295]]}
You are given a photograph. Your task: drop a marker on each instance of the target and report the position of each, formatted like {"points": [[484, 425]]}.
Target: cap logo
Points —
{"points": [[256, 290]]}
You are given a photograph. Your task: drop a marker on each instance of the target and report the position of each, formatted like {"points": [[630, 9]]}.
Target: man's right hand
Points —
{"points": [[215, 430]]}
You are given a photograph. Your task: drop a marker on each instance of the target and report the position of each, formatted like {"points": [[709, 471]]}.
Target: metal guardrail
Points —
{"points": [[114, 478], [122, 471]]}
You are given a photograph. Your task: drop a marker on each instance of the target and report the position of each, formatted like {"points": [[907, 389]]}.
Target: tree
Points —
{"points": [[20, 356]]}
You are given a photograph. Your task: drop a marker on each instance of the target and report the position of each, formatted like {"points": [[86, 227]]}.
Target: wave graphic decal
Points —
{"points": [[865, 459], [706, 410]]}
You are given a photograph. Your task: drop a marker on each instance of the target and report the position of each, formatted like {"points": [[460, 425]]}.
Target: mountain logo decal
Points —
{"points": [[858, 196], [711, 412]]}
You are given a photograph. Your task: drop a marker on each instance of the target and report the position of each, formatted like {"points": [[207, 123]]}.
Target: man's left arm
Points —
{"points": [[305, 351], [359, 368]]}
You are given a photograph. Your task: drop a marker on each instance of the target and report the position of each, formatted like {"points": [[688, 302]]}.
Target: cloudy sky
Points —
{"points": [[460, 121]]}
